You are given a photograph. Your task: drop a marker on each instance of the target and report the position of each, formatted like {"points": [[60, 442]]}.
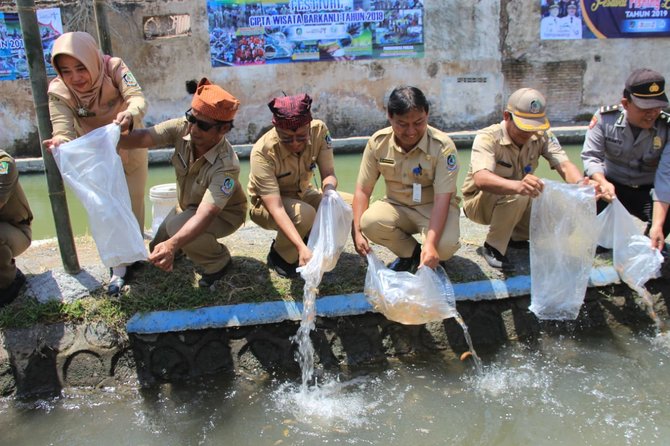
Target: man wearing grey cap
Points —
{"points": [[624, 143], [500, 182]]}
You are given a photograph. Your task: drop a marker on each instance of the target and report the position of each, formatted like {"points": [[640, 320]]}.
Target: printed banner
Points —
{"points": [[13, 62], [604, 19], [244, 32]]}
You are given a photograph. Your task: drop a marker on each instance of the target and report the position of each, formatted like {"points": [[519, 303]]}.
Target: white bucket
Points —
{"points": [[163, 198]]}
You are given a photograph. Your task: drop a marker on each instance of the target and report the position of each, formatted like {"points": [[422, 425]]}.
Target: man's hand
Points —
{"points": [[607, 191], [530, 186], [163, 255], [304, 255], [657, 238], [361, 243], [429, 256]]}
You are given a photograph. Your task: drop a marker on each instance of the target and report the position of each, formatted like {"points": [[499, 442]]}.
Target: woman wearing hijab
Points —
{"points": [[91, 91]]}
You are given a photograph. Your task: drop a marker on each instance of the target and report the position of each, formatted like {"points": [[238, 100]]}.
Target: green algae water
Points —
{"points": [[346, 167], [602, 388]]}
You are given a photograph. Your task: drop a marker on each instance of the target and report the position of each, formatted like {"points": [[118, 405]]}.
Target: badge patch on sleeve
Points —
{"points": [[552, 137], [4, 168], [593, 122], [329, 140], [228, 186], [129, 80], [451, 162]]}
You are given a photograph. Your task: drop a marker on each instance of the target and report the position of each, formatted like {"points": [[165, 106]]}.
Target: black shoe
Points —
{"points": [[10, 293], [602, 250], [407, 263], [207, 280], [115, 285], [496, 259], [518, 244], [281, 266]]}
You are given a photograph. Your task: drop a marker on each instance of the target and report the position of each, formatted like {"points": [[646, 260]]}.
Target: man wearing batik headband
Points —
{"points": [[500, 182], [211, 202], [623, 147], [282, 169]]}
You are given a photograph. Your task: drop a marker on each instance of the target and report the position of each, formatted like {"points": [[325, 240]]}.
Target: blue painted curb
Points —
{"points": [[330, 306]]}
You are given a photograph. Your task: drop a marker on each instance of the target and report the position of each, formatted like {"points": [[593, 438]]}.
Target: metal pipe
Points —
{"points": [[38, 81], [103, 28]]}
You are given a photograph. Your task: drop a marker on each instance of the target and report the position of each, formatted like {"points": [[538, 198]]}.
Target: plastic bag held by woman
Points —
{"points": [[411, 299], [330, 232], [634, 259], [563, 234], [91, 167]]}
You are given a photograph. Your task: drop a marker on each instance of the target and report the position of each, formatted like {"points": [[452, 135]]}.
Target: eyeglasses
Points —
{"points": [[205, 126], [288, 139]]}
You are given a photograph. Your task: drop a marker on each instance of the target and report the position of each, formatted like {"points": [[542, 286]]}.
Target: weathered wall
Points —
{"points": [[476, 53]]}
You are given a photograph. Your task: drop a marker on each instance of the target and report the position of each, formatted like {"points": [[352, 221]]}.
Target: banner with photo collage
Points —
{"points": [[244, 32], [13, 62], [604, 19]]}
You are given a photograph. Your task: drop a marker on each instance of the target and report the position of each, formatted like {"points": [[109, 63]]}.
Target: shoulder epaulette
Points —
{"points": [[664, 116], [609, 108]]}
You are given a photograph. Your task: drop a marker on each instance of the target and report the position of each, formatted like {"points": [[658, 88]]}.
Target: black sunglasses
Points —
{"points": [[202, 125]]}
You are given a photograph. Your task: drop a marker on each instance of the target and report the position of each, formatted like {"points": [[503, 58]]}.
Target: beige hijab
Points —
{"points": [[98, 106]]}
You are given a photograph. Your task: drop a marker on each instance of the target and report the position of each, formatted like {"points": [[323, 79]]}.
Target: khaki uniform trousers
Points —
{"points": [[392, 226], [137, 172], [205, 250], [301, 212], [507, 215], [13, 241]]}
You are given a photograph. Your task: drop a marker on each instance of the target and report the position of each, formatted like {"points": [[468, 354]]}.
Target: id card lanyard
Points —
{"points": [[416, 186]]}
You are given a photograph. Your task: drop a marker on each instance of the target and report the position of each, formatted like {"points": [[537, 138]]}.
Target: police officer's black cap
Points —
{"points": [[647, 88]]}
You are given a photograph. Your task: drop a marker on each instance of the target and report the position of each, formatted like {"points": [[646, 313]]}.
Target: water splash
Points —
{"points": [[468, 339], [305, 353]]}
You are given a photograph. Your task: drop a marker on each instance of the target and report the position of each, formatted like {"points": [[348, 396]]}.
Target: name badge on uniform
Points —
{"points": [[657, 142], [416, 192]]}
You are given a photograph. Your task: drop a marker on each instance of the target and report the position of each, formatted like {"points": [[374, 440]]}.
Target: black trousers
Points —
{"points": [[637, 201]]}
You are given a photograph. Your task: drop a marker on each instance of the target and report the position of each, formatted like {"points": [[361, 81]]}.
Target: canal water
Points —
{"points": [[607, 388], [346, 167]]}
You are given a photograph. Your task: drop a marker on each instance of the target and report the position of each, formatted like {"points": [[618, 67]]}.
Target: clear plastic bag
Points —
{"points": [[634, 258], [563, 234], [329, 234], [411, 299], [91, 167]]}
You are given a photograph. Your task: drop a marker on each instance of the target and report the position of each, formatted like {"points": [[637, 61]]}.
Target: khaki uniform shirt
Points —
{"points": [[433, 164], [494, 150], [611, 148], [277, 171], [67, 124], [213, 178], [14, 208]]}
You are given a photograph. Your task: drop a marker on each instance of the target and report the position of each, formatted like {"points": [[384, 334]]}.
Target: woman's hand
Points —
{"points": [[52, 143], [124, 120]]}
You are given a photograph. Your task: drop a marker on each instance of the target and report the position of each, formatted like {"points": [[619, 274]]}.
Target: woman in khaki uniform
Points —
{"points": [[91, 91]]}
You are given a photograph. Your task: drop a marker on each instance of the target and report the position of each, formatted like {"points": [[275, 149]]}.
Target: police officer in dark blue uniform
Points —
{"points": [[624, 144]]}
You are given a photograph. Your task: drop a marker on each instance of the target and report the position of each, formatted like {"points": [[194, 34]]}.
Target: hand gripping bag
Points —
{"points": [[327, 238], [411, 299], [634, 259], [563, 235], [91, 167]]}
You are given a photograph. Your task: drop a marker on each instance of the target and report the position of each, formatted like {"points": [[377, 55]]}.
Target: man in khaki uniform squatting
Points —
{"points": [[15, 232], [420, 167], [500, 183], [282, 166], [212, 203]]}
